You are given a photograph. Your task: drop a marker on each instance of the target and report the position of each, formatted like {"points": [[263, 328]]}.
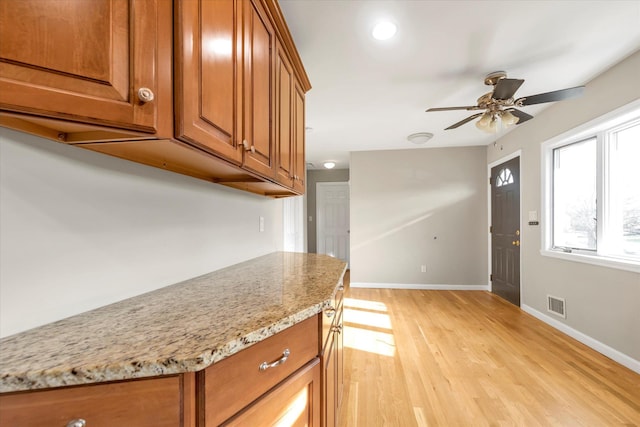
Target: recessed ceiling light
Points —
{"points": [[384, 30], [329, 165], [420, 137]]}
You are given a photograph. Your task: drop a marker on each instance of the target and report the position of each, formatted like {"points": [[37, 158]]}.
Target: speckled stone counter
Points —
{"points": [[180, 328]]}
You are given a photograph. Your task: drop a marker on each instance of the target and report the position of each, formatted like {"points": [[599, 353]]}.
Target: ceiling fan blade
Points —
{"points": [[521, 115], [558, 95], [461, 122], [470, 107], [506, 88]]}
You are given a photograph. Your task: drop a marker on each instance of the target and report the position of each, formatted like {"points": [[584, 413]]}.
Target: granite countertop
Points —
{"points": [[180, 328]]}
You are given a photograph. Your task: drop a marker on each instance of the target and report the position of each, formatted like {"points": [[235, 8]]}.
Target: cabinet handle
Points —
{"points": [[145, 94], [77, 423], [285, 355], [337, 329], [330, 312], [341, 288], [247, 146], [253, 148]]}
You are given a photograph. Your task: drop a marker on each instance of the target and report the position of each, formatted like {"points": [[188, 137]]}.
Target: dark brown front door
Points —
{"points": [[505, 230]]}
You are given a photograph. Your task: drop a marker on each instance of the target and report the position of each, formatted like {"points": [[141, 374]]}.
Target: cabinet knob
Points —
{"points": [[246, 145], [253, 148], [145, 94], [77, 423]]}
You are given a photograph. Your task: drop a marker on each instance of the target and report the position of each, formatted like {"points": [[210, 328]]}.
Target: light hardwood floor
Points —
{"points": [[468, 358]]}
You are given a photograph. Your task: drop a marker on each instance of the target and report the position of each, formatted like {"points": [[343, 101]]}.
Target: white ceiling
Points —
{"points": [[370, 95]]}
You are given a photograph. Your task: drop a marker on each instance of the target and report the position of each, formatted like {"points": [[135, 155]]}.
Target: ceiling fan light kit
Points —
{"points": [[499, 103]]}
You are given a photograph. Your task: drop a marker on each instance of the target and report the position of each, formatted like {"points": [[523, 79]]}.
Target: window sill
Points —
{"points": [[617, 263]]}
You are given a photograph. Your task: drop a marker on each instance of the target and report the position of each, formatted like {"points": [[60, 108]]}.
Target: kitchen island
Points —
{"points": [[182, 328]]}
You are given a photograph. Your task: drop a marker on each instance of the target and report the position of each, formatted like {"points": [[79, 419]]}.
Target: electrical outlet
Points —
{"points": [[261, 224], [423, 268]]}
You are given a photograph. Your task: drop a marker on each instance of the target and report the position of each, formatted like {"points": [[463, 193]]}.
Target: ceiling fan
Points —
{"points": [[500, 103]]}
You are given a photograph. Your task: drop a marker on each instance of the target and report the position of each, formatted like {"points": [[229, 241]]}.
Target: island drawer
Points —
{"points": [[140, 403], [228, 386]]}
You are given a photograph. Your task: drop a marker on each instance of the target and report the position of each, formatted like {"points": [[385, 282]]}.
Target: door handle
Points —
{"points": [[516, 243]]}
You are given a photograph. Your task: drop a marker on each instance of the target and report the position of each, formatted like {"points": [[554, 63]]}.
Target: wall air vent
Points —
{"points": [[556, 306]]}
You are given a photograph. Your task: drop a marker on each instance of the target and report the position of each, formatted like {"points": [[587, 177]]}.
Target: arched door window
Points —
{"points": [[505, 177]]}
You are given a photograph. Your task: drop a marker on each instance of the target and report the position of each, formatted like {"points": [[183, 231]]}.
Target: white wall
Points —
{"points": [[601, 303], [79, 229], [419, 207]]}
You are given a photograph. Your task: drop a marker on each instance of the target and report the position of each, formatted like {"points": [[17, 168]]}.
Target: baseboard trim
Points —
{"points": [[419, 286], [598, 346]]}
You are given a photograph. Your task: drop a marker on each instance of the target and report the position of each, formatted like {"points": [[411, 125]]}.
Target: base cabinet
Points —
{"points": [[292, 378], [294, 403], [332, 361], [158, 402], [228, 388]]}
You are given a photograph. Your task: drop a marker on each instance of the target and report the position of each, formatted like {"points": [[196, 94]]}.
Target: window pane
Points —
{"points": [[624, 192], [574, 195]]}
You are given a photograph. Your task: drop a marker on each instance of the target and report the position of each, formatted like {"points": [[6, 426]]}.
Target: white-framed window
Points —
{"points": [[591, 191]]}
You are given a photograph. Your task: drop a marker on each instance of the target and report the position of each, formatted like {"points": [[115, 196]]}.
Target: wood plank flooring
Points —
{"points": [[468, 358]]}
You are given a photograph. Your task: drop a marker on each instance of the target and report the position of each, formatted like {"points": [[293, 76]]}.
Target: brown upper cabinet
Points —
{"points": [[189, 86], [208, 76], [86, 62], [284, 117], [259, 44]]}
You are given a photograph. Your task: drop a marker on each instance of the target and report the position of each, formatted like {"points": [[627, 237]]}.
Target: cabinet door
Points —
{"points": [[284, 114], [86, 61], [259, 38], [329, 381], [339, 337], [293, 403], [208, 58], [299, 164]]}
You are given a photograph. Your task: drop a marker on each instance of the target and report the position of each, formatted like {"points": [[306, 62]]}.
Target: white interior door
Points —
{"points": [[293, 217], [332, 206]]}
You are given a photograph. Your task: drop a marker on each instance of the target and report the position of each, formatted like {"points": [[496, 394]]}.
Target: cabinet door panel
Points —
{"points": [[299, 163], [295, 402], [329, 381], [284, 137], [84, 60], [207, 101], [258, 97]]}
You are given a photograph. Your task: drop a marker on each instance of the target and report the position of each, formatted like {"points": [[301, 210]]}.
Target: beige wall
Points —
{"points": [[602, 303], [79, 229], [313, 177], [419, 207]]}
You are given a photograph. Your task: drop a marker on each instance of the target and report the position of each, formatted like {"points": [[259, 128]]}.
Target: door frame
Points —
{"points": [[517, 153], [318, 210]]}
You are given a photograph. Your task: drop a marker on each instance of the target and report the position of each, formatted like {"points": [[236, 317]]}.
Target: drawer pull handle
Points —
{"points": [[285, 355], [330, 312], [77, 423]]}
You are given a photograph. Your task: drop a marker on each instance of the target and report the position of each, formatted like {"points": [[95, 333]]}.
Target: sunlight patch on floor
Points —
{"points": [[365, 304], [367, 318], [363, 320]]}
